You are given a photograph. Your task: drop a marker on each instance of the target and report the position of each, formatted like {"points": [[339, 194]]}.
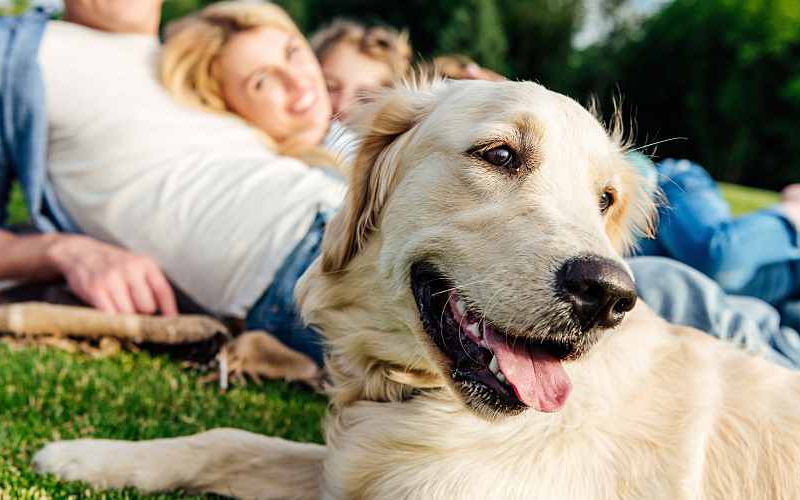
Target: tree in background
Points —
{"points": [[174, 9], [540, 34], [476, 30], [723, 73]]}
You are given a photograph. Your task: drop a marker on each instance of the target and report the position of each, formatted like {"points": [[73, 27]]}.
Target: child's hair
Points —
{"points": [[452, 65], [382, 43], [192, 44], [459, 67]]}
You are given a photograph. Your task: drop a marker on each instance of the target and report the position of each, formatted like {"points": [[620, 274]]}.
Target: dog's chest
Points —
{"points": [[459, 456]]}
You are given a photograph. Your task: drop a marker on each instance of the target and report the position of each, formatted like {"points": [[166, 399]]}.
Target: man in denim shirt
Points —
{"points": [[102, 275]]}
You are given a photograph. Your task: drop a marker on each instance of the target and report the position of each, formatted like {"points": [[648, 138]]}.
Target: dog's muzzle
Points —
{"points": [[600, 290]]}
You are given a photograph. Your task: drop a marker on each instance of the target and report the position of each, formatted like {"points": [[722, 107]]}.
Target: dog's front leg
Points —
{"points": [[224, 461]]}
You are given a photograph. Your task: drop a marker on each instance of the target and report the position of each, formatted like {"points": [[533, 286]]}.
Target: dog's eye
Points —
{"points": [[501, 156], [607, 198]]}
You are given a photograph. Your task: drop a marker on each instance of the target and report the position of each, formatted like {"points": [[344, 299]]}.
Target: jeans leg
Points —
{"points": [[695, 209], [286, 326], [698, 229], [684, 296], [276, 311]]}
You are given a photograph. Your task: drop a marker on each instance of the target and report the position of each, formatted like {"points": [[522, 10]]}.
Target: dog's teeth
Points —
{"points": [[473, 330], [493, 365], [461, 307]]}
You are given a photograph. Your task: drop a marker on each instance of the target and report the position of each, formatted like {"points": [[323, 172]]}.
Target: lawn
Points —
{"points": [[47, 394], [744, 199]]}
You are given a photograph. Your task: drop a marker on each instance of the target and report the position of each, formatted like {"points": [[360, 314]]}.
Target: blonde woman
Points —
{"points": [[200, 171], [356, 59], [249, 60]]}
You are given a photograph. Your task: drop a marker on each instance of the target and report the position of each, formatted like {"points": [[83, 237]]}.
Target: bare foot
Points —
{"points": [[791, 193]]}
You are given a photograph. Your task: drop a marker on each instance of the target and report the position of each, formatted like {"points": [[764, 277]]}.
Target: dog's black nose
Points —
{"points": [[599, 289]]}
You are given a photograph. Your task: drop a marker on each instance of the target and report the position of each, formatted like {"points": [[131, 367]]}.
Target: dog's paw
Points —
{"points": [[88, 460]]}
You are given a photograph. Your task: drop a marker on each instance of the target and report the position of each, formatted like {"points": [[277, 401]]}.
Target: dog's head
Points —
{"points": [[480, 243]]}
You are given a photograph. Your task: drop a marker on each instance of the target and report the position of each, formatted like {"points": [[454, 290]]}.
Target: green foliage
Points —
{"points": [[540, 36], [17, 7], [723, 73], [476, 30], [744, 199], [17, 212], [175, 9]]}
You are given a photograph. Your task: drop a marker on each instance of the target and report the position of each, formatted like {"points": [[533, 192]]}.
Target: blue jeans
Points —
{"points": [[684, 296], [755, 254], [275, 311]]}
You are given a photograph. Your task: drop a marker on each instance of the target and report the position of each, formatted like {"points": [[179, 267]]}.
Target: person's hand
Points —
{"points": [[110, 278]]}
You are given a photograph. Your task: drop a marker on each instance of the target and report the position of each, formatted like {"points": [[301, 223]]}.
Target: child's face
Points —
{"points": [[349, 74], [271, 78]]}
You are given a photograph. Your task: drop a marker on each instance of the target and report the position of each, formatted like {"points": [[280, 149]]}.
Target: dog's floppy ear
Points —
{"points": [[384, 125]]}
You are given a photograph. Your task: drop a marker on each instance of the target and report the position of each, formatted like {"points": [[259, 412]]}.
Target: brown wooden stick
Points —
{"points": [[39, 318]]}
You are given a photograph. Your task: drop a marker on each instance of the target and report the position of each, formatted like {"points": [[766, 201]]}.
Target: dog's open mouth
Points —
{"points": [[496, 373]]}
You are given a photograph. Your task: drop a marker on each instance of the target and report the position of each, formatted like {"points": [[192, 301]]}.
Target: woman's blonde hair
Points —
{"points": [[382, 43], [192, 44]]}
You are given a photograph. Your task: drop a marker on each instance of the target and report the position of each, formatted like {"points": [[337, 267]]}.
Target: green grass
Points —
{"points": [[47, 394], [744, 199], [16, 210]]}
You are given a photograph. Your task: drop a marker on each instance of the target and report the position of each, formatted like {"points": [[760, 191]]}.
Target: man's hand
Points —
{"points": [[110, 278]]}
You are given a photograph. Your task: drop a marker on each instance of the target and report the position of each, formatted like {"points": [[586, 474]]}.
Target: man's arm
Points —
{"points": [[102, 275]]}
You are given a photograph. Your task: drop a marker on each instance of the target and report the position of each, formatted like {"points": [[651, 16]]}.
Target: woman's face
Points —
{"points": [[271, 78], [349, 74]]}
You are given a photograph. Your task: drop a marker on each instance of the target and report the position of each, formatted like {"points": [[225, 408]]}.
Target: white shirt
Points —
{"points": [[197, 191]]}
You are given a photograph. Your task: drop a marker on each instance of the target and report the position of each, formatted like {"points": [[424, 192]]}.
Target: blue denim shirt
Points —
{"points": [[23, 123]]}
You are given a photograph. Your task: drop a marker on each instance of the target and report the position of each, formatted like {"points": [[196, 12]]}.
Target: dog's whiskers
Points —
{"points": [[459, 287], [460, 329], [659, 142], [441, 320]]}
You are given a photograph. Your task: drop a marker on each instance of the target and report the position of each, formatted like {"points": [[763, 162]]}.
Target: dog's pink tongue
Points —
{"points": [[537, 377]]}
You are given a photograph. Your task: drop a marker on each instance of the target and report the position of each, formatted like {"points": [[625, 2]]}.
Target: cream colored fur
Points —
{"points": [[656, 411]]}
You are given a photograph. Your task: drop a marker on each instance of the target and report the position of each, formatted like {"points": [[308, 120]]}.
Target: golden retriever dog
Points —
{"points": [[484, 336]]}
